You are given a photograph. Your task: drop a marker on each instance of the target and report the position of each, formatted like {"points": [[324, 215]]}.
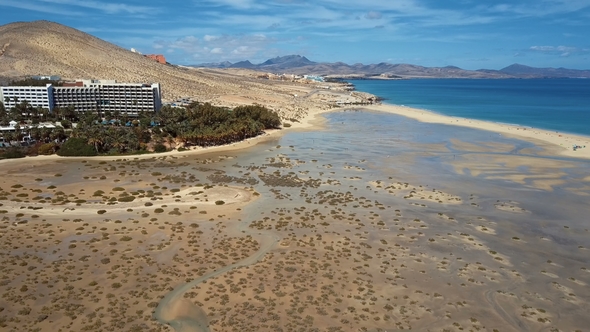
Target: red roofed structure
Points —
{"points": [[157, 57]]}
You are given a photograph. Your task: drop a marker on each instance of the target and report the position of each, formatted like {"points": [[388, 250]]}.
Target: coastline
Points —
{"points": [[314, 120], [194, 246], [556, 143]]}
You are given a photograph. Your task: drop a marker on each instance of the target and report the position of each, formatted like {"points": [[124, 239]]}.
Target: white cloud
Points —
{"points": [[215, 48], [240, 4], [241, 50], [372, 15], [107, 7], [563, 51], [40, 8], [539, 8], [543, 48]]}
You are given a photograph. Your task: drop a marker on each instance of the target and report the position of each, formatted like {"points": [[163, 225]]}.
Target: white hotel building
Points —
{"points": [[89, 96], [37, 96]]}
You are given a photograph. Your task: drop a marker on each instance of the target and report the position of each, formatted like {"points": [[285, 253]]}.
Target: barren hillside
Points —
{"points": [[42, 47]]}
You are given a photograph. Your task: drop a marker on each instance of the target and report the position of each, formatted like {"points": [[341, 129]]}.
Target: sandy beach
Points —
{"points": [[557, 143], [316, 226]]}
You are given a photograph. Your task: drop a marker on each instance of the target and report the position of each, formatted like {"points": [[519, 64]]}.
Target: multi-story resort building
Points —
{"points": [[89, 96], [83, 99], [36, 96]]}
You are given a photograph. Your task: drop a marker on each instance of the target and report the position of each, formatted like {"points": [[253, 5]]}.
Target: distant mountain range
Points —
{"points": [[300, 65]]}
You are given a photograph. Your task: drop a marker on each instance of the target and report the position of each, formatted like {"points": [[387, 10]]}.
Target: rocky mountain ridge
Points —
{"points": [[297, 64]]}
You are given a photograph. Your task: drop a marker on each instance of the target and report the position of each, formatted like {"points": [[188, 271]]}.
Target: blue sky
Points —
{"points": [[471, 34]]}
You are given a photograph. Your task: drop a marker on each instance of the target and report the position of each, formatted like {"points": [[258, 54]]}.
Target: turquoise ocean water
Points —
{"points": [[554, 104]]}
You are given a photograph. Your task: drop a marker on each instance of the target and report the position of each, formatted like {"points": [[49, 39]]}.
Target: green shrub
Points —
{"points": [[219, 202], [47, 148], [76, 146], [286, 125], [126, 199], [13, 153], [67, 124], [160, 148]]}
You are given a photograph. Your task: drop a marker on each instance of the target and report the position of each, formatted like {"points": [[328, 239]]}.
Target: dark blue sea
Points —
{"points": [[553, 104]]}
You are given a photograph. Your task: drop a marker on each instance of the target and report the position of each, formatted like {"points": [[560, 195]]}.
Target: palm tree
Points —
{"points": [[70, 113], [117, 115], [25, 108], [96, 141], [18, 134], [117, 139], [16, 113], [58, 134], [44, 113], [45, 134], [56, 113], [8, 137], [4, 120], [35, 133]]}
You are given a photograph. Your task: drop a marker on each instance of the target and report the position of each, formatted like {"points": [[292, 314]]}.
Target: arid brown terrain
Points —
{"points": [[374, 223], [47, 48]]}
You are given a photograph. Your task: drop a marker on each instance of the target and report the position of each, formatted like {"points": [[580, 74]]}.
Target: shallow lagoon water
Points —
{"points": [[380, 223], [514, 250]]}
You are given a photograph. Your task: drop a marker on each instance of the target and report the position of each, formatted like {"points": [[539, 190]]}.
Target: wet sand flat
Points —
{"points": [[382, 223]]}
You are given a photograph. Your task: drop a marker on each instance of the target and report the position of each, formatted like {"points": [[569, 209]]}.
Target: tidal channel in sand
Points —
{"points": [[377, 222], [185, 316], [468, 218]]}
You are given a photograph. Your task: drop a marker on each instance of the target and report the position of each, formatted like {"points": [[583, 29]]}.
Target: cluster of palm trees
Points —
{"points": [[24, 111], [207, 125], [31, 128], [39, 134], [196, 124], [110, 138]]}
